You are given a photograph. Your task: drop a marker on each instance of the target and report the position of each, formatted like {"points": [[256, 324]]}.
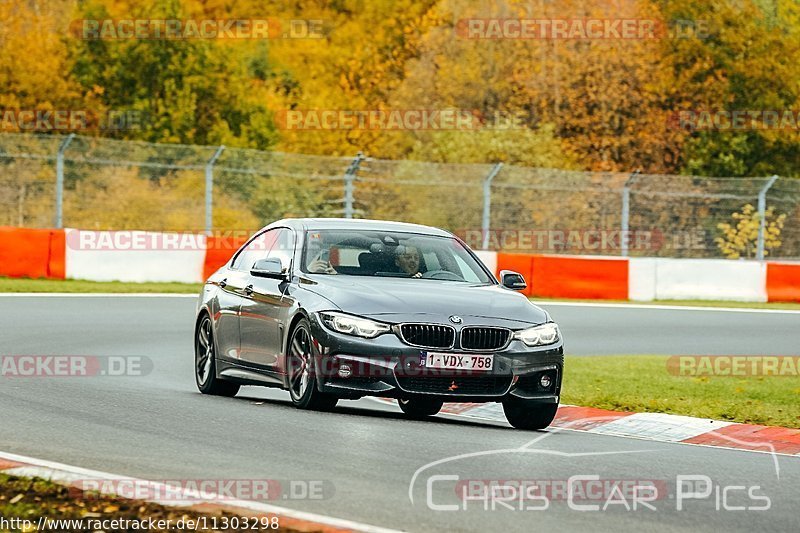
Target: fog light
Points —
{"points": [[545, 381], [345, 371]]}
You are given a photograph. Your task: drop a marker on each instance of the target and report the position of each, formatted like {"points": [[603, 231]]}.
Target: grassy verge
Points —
{"points": [[688, 303], [71, 285], [29, 499], [643, 384]]}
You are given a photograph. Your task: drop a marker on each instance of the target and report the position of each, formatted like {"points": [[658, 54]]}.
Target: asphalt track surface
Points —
{"points": [[369, 457]]}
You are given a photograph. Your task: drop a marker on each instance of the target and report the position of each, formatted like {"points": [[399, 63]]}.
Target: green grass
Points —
{"points": [[689, 303], [71, 285], [641, 383]]}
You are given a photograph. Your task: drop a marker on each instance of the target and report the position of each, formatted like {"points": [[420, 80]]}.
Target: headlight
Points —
{"points": [[539, 335], [353, 325]]}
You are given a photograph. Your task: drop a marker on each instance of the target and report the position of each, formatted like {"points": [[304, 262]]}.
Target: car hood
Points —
{"points": [[410, 300]]}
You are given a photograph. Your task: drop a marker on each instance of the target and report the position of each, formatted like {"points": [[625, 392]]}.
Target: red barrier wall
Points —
{"points": [[783, 282], [32, 253], [57, 263], [572, 277], [218, 251]]}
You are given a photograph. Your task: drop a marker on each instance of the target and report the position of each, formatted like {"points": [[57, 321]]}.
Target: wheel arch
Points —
{"points": [[298, 316], [202, 314]]}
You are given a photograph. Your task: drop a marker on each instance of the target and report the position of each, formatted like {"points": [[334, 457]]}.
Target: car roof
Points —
{"points": [[359, 224]]}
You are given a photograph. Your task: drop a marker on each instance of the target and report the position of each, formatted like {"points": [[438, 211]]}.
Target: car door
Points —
{"points": [[231, 295], [229, 300], [265, 307]]}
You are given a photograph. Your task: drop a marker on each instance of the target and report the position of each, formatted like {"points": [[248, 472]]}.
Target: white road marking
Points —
{"points": [[97, 295], [666, 307], [66, 474]]}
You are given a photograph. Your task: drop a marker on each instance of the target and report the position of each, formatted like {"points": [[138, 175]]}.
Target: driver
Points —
{"points": [[321, 264], [409, 261]]}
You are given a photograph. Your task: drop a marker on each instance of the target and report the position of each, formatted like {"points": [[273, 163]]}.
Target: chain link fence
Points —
{"points": [[98, 183]]}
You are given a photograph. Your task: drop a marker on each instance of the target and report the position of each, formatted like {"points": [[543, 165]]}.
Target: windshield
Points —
{"points": [[385, 254]]}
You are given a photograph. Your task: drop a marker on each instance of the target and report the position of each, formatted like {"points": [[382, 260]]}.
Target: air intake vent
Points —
{"points": [[456, 386]]}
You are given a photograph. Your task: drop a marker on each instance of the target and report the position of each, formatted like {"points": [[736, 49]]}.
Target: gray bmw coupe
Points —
{"points": [[332, 309]]}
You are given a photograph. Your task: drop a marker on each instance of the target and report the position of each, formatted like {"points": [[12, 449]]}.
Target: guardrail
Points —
{"points": [[191, 258]]}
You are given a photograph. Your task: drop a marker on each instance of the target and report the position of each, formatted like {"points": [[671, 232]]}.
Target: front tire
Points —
{"points": [[420, 407], [205, 364], [301, 369], [529, 414]]}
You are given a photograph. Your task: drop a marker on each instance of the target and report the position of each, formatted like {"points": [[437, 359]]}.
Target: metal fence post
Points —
{"points": [[486, 221], [626, 213], [349, 184], [60, 180], [762, 217], [210, 189]]}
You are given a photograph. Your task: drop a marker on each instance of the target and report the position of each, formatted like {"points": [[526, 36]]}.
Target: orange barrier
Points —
{"points": [[218, 251], [783, 282], [577, 277], [57, 260], [521, 263], [32, 253]]}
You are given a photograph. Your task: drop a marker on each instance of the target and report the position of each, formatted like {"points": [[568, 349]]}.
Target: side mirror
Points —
{"points": [[512, 280], [271, 267]]}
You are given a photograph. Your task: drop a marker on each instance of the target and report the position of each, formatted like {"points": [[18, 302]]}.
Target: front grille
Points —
{"points": [[492, 385], [473, 338], [428, 335]]}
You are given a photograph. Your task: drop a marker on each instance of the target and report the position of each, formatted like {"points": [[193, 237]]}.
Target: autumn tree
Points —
{"points": [[194, 91], [740, 239]]}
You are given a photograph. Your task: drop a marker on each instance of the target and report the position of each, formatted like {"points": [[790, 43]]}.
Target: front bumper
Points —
{"points": [[386, 366]]}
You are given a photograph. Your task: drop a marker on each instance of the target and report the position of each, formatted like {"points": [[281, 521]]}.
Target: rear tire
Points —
{"points": [[205, 363], [420, 407], [300, 366], [529, 414]]}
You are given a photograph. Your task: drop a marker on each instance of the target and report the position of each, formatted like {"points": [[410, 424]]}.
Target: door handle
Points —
{"points": [[223, 283], [248, 290]]}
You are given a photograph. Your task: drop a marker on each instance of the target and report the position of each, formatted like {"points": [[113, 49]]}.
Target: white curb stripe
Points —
{"points": [[660, 426], [654, 427]]}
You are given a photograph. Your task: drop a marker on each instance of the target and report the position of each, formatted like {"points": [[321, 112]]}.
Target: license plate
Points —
{"points": [[459, 361]]}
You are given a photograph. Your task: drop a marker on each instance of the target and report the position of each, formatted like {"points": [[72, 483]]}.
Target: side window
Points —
{"points": [[255, 250], [283, 247]]}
